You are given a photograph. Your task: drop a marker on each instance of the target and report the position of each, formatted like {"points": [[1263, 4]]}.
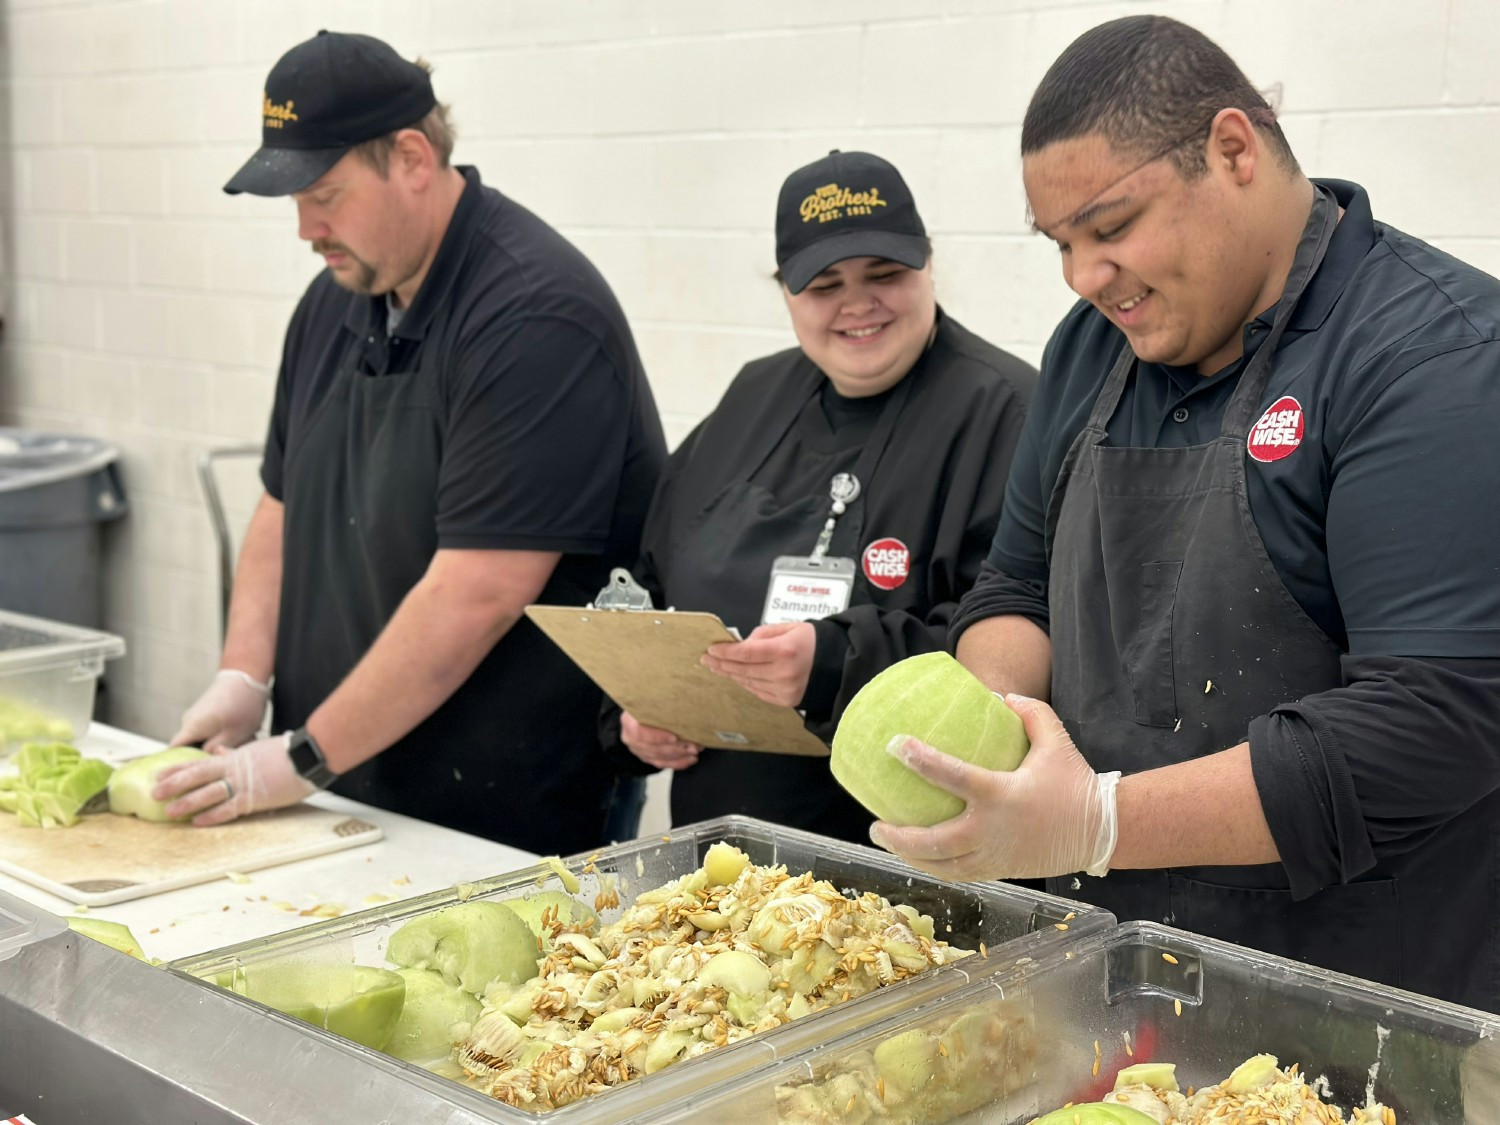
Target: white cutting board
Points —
{"points": [[105, 859]]}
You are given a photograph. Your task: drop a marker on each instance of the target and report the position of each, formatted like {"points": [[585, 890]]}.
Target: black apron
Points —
{"points": [[1159, 585], [512, 755], [721, 563]]}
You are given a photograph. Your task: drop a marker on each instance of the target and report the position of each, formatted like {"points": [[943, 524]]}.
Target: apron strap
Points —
{"points": [[1311, 249]]}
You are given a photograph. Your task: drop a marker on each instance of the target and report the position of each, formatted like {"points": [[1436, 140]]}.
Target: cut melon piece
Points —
{"points": [[434, 1017], [359, 1002], [130, 786], [933, 698], [470, 943], [722, 864], [1253, 1073], [1159, 1076], [567, 909], [1096, 1113], [907, 1062], [113, 934], [736, 971]]}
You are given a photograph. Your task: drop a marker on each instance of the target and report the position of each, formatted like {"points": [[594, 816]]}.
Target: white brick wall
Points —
{"points": [[145, 306]]}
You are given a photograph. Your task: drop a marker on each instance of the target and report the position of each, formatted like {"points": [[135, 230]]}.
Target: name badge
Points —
{"points": [[805, 589]]}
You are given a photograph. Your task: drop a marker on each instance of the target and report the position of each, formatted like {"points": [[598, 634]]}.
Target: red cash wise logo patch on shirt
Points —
{"points": [[886, 562], [1278, 432]]}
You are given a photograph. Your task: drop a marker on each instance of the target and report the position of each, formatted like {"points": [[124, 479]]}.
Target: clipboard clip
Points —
{"points": [[622, 592]]}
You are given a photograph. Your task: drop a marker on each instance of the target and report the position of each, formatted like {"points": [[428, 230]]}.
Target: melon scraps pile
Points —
{"points": [[727, 951]]}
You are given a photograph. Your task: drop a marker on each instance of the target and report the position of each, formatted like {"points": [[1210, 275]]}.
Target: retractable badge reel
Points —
{"points": [[806, 588]]}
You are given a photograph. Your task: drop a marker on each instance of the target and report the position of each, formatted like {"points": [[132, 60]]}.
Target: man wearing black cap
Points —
{"points": [[840, 499], [461, 427]]}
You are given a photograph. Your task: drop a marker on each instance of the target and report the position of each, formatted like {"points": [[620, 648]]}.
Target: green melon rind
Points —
{"points": [[936, 699]]}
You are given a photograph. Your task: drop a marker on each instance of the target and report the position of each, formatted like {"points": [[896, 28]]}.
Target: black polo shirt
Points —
{"points": [[507, 410], [1383, 522]]}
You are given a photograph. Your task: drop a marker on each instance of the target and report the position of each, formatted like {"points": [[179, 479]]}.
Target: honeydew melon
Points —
{"points": [[1159, 1076], [53, 785], [567, 909], [469, 943], [736, 971], [722, 864], [936, 699], [359, 1002], [21, 722], [432, 1014], [907, 1062], [130, 786], [113, 934]]}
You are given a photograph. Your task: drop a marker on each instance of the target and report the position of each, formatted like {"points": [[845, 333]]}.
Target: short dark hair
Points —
{"points": [[435, 126], [1149, 85]]}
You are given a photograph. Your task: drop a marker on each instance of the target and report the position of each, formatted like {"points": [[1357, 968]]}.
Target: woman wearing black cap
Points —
{"points": [[841, 498]]}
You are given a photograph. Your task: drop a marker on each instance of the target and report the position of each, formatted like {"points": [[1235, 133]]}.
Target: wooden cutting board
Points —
{"points": [[106, 859]]}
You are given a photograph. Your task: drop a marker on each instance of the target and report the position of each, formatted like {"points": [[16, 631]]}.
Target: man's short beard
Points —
{"points": [[363, 279], [362, 282]]}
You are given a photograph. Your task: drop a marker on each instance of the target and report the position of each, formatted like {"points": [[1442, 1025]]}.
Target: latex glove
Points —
{"points": [[774, 661], [1052, 816], [657, 747], [233, 783], [228, 714]]}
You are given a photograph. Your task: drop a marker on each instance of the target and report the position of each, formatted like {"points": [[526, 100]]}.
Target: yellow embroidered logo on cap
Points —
{"points": [[832, 202], [278, 115]]}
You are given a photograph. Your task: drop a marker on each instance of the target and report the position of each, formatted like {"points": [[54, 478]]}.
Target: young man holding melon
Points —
{"points": [[1247, 548]]}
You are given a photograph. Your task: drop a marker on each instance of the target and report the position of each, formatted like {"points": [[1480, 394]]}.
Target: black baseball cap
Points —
{"points": [[846, 205], [321, 99]]}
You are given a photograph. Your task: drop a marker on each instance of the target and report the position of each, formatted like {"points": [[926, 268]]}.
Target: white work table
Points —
{"points": [[412, 858]]}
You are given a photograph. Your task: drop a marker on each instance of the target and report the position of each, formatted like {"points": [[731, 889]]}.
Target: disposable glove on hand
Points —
{"points": [[228, 714], [657, 747], [1052, 816], [233, 783], [774, 661]]}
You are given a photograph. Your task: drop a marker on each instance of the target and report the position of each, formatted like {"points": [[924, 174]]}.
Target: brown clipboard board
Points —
{"points": [[647, 662]]}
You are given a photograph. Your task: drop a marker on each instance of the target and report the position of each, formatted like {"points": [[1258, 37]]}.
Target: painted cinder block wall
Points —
{"points": [[143, 305]]}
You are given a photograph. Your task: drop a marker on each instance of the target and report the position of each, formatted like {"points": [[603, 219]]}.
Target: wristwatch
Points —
{"points": [[308, 760]]}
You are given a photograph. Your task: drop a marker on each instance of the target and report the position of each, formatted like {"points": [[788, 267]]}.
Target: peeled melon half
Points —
{"points": [[359, 1002], [936, 699], [130, 786], [430, 1017], [469, 943]]}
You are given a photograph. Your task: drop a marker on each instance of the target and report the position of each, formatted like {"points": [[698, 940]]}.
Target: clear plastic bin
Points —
{"points": [[48, 675], [1012, 923], [1030, 1036], [21, 924]]}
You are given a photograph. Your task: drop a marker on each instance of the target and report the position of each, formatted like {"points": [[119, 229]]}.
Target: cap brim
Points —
{"points": [[807, 263], [282, 171]]}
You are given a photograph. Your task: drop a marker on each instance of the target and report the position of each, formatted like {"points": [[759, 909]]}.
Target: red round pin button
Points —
{"points": [[886, 563]]}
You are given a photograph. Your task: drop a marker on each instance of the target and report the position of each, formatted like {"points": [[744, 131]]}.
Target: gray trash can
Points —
{"points": [[55, 492]]}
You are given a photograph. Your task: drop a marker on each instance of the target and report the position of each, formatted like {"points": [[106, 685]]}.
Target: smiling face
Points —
{"points": [[1177, 264], [361, 223], [864, 322]]}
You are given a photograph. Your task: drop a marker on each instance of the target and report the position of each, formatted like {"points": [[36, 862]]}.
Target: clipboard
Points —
{"points": [[646, 660]]}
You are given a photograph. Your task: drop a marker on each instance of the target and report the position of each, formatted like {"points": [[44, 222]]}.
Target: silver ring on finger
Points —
{"points": [[228, 789]]}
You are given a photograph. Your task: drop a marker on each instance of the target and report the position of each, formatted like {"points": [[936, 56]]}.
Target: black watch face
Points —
{"points": [[308, 762], [303, 756]]}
